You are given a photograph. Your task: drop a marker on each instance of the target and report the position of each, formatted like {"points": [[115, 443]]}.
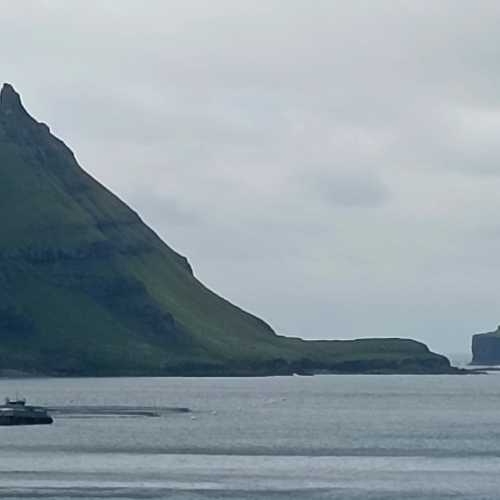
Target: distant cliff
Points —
{"points": [[86, 288], [486, 348]]}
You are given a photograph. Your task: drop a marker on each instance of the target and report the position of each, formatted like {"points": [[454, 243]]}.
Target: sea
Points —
{"points": [[343, 437]]}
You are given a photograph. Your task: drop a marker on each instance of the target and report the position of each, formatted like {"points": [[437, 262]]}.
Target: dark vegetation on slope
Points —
{"points": [[86, 288]]}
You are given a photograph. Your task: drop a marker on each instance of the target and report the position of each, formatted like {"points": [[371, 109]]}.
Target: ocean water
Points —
{"points": [[324, 437]]}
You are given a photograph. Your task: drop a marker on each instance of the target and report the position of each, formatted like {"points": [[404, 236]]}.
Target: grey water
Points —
{"points": [[324, 437]]}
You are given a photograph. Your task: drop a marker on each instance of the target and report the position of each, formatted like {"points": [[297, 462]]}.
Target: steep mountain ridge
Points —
{"points": [[86, 288]]}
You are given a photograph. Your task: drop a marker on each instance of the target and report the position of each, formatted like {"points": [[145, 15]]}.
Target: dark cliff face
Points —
{"points": [[87, 288], [486, 348]]}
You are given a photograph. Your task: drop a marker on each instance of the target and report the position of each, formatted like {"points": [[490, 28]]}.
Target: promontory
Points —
{"points": [[87, 289]]}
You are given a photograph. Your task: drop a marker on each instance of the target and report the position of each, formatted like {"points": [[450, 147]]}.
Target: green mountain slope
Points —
{"points": [[87, 288]]}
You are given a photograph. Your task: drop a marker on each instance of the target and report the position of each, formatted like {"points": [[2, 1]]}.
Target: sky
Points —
{"points": [[331, 166]]}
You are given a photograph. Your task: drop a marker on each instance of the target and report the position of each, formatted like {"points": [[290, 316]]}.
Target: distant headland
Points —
{"points": [[486, 348]]}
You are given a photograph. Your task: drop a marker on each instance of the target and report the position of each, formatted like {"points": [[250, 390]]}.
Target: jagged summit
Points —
{"points": [[86, 288], [10, 100], [7, 92]]}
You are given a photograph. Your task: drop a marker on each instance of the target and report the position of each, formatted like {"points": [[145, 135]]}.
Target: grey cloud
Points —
{"points": [[361, 189]]}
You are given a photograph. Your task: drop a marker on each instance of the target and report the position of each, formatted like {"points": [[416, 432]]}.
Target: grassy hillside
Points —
{"points": [[87, 288]]}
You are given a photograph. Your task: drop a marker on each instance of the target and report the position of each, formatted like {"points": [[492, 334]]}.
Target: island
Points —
{"points": [[88, 289], [486, 348]]}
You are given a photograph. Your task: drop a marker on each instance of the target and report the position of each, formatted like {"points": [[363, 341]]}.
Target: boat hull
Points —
{"points": [[24, 420]]}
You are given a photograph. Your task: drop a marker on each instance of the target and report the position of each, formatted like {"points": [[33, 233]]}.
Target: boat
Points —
{"points": [[17, 412]]}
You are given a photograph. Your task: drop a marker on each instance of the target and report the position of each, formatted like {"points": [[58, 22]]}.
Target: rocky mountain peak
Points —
{"points": [[10, 100]]}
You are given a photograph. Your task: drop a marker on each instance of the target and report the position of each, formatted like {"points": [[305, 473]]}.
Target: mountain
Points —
{"points": [[86, 288], [486, 348]]}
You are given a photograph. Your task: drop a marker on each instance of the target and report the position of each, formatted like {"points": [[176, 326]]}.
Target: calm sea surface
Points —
{"points": [[328, 437]]}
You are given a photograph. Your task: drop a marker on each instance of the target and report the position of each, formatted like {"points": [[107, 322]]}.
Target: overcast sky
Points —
{"points": [[331, 166]]}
